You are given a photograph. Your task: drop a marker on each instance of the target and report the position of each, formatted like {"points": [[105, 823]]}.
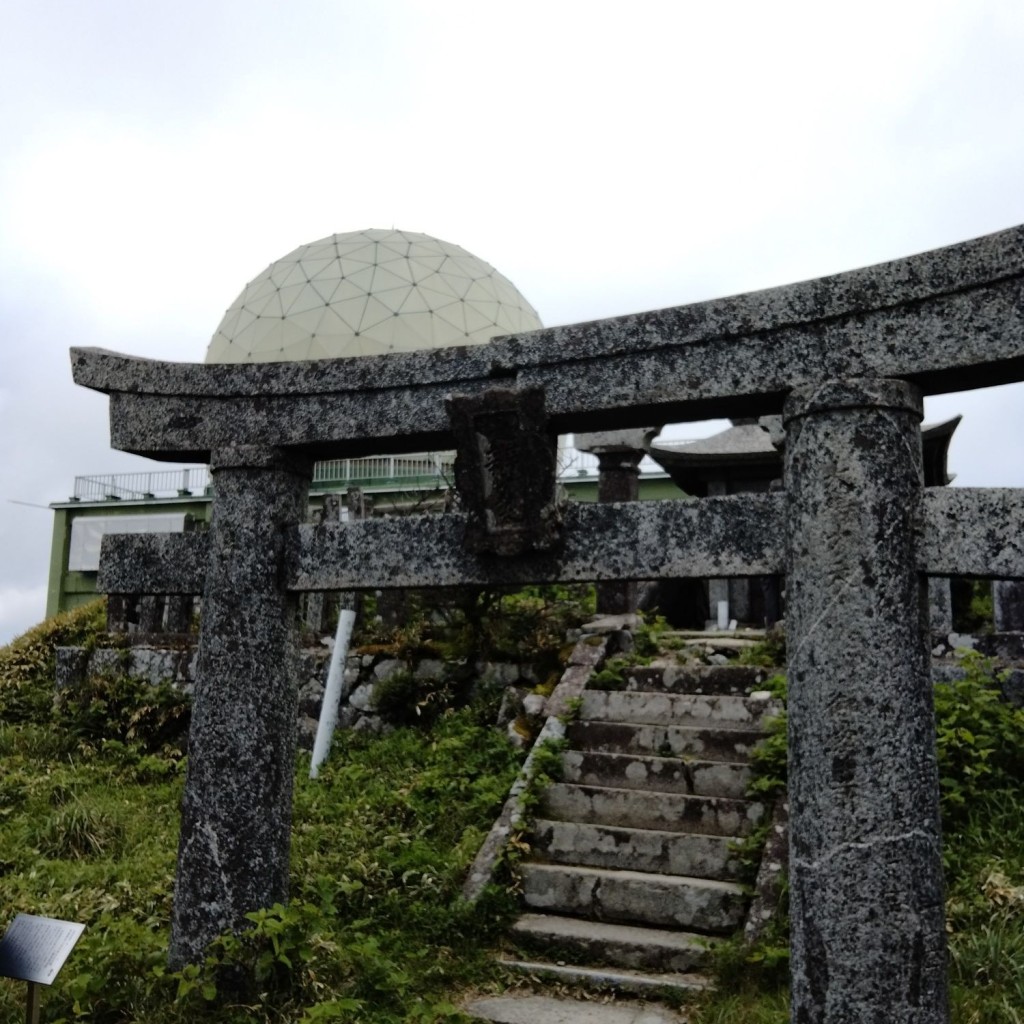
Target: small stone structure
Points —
{"points": [[618, 466], [845, 360], [747, 457]]}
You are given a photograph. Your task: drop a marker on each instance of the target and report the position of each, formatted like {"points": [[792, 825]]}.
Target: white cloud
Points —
{"points": [[607, 158], [20, 609]]}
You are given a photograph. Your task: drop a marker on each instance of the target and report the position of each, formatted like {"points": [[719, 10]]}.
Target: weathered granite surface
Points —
{"points": [[601, 441], [947, 320], [505, 471], [733, 536], [1008, 605], [236, 812], [965, 531], [737, 535], [618, 479], [868, 938], [973, 531], [153, 563]]}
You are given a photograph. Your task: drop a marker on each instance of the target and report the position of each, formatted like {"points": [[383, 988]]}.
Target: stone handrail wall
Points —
{"points": [[586, 656]]}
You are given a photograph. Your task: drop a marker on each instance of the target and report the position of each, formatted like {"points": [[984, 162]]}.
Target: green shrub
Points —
{"points": [[972, 605], [991, 955], [76, 830], [107, 708], [375, 929], [467, 625], [980, 738], [403, 699], [648, 637], [768, 653], [769, 760], [28, 664]]}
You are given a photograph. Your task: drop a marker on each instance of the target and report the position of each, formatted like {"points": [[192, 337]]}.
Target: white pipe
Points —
{"points": [[332, 691], [723, 614]]}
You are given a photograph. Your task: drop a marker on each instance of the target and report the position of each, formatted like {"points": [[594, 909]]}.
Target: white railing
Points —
{"points": [[422, 468], [161, 483], [427, 469], [573, 464]]}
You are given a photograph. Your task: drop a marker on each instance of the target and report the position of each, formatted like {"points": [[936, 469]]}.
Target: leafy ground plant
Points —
{"points": [[374, 930], [980, 738], [980, 744]]}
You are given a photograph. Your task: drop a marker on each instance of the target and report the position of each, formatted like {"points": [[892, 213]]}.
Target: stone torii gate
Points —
{"points": [[845, 359]]}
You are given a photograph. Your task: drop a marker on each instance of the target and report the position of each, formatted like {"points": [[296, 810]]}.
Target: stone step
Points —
{"points": [[637, 897], [668, 774], [516, 1007], [600, 943], [632, 982], [705, 744], [631, 849], [754, 634], [668, 677], [633, 808], [649, 707]]}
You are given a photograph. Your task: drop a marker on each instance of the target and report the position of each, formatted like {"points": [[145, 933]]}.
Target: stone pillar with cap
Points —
{"points": [[868, 938], [1008, 606], [618, 479], [940, 604], [236, 814]]}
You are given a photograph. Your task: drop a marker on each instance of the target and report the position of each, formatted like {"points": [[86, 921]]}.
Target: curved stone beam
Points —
{"points": [[947, 320]]}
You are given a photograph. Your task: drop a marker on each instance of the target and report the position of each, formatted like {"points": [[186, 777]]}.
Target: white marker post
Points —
{"points": [[332, 691], [723, 614]]}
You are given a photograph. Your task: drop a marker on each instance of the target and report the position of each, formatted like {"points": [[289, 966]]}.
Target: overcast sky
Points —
{"points": [[607, 157]]}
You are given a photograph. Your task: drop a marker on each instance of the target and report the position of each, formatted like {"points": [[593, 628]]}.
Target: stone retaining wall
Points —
{"points": [[363, 674]]}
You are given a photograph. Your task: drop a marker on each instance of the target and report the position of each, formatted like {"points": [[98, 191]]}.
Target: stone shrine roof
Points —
{"points": [[750, 452]]}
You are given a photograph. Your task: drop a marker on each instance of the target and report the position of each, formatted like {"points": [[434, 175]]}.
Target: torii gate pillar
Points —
{"points": [[868, 938], [236, 814]]}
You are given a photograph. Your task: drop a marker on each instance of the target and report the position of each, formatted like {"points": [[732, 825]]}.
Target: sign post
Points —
{"points": [[33, 950]]}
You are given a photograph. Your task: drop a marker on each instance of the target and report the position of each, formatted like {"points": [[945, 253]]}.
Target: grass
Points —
{"points": [[984, 869], [374, 931]]}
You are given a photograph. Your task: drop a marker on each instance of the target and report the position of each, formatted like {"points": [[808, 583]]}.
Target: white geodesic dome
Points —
{"points": [[366, 293]]}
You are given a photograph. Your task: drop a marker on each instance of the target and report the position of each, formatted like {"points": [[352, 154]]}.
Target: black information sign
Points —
{"points": [[34, 948]]}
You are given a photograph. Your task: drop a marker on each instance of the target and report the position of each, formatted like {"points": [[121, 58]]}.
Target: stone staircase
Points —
{"points": [[631, 872]]}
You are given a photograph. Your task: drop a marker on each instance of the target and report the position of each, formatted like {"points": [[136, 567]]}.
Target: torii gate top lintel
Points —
{"points": [[945, 320]]}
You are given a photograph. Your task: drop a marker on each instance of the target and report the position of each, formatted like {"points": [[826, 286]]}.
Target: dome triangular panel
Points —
{"points": [[368, 292]]}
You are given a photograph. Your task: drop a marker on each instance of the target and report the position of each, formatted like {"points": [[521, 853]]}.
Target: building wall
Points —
{"points": [[67, 589]]}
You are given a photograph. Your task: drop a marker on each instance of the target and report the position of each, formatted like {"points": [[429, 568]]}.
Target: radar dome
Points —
{"points": [[366, 293]]}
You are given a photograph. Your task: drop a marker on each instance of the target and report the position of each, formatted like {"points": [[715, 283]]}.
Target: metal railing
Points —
{"points": [[161, 483], [429, 469], [423, 470], [420, 470]]}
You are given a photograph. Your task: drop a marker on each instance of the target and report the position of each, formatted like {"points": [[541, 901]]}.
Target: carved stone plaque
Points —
{"points": [[505, 471]]}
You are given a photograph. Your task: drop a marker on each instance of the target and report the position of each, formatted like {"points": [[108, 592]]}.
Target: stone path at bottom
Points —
{"points": [[542, 1010]]}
